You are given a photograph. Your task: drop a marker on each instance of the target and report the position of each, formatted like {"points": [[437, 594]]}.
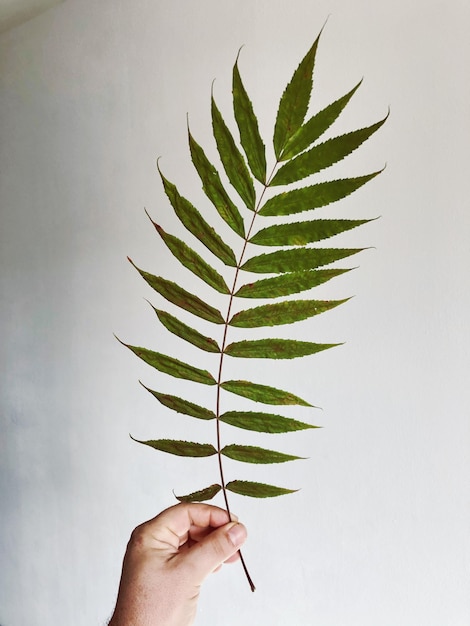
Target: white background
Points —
{"points": [[91, 94]]}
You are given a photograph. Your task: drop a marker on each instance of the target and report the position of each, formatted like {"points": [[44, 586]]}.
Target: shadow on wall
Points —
{"points": [[15, 12]]}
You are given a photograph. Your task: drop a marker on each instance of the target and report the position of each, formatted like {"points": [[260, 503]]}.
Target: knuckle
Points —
{"points": [[138, 537]]}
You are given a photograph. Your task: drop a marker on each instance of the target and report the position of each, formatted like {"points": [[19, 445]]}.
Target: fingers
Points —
{"points": [[199, 536], [220, 546]]}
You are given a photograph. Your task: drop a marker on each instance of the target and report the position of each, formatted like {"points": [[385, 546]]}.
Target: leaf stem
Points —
{"points": [[222, 350]]}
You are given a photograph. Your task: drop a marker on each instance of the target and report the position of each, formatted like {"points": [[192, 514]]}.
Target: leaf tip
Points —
{"points": [[132, 263], [238, 53], [121, 342], [324, 24], [148, 215]]}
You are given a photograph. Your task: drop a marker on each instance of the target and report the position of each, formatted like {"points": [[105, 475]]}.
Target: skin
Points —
{"points": [[168, 558]]}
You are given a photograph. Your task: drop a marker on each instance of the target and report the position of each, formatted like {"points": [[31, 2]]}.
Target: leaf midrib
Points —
{"points": [[225, 333]]}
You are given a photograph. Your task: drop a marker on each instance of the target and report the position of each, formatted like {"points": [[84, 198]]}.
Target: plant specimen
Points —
{"points": [[245, 194]]}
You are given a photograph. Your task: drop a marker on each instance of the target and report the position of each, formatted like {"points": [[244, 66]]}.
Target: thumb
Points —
{"points": [[207, 555]]}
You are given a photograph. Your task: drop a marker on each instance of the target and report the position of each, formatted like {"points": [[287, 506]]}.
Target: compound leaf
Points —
{"points": [[300, 267]]}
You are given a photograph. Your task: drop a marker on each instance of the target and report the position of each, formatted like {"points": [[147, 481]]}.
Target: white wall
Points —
{"points": [[91, 93], [15, 12]]}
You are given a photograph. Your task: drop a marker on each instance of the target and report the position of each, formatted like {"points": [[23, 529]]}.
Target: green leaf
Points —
{"points": [[180, 448], [182, 298], [316, 126], [300, 268], [287, 284], [200, 496], [302, 233], [185, 332], [256, 490], [315, 196], [262, 393], [232, 160], [192, 261], [263, 422], [296, 259], [182, 406], [248, 127], [253, 454], [282, 312], [323, 155], [213, 188], [171, 366], [294, 101], [196, 224], [275, 348]]}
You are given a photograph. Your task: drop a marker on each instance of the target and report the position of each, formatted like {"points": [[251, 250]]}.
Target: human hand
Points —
{"points": [[168, 558]]}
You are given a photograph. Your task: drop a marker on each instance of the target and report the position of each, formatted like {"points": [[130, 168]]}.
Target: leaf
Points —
{"points": [[248, 128], [171, 366], [196, 224], [275, 348], [256, 490], [232, 160], [200, 496], [287, 284], [315, 196], [253, 454], [182, 298], [180, 448], [323, 155], [294, 267], [263, 422], [302, 233], [213, 188], [182, 406], [185, 332], [296, 259], [262, 393], [192, 261], [294, 101], [282, 312], [316, 126]]}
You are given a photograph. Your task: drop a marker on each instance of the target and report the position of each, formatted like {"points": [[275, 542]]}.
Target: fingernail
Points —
{"points": [[237, 534]]}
